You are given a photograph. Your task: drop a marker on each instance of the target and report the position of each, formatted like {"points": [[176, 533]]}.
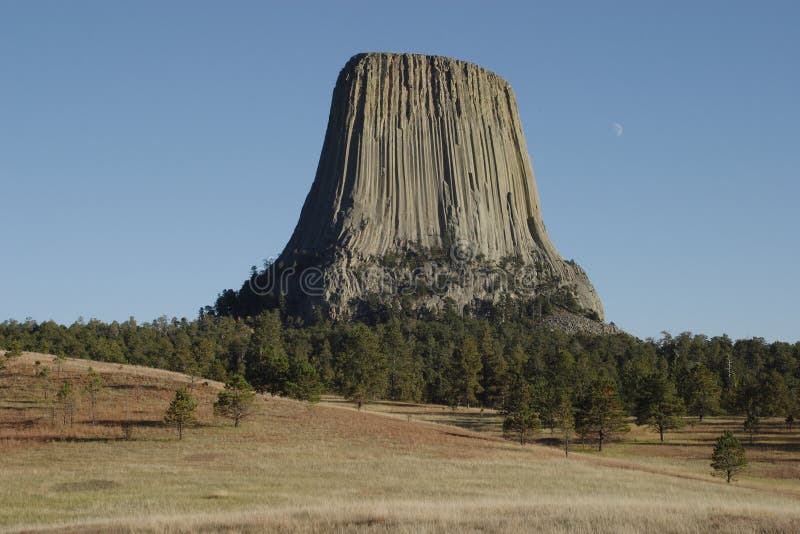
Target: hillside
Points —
{"points": [[297, 467]]}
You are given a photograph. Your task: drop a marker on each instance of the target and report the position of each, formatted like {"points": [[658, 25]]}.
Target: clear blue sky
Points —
{"points": [[151, 151]]}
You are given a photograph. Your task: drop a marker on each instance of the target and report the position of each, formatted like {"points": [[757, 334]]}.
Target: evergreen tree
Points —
{"points": [[181, 411], [521, 417], [728, 457], [493, 366], [43, 374], [634, 375], [774, 394], [437, 353], [546, 399], [522, 421], [703, 391], [516, 360], [94, 385], [750, 426], [322, 360], [763, 394], [277, 355], [600, 416], [464, 373], [658, 405], [66, 399], [361, 365], [266, 361], [302, 379], [182, 358], [566, 420], [405, 374], [235, 401], [14, 350], [204, 350], [59, 362]]}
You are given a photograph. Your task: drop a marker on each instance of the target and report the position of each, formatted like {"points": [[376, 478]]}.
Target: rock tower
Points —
{"points": [[424, 170]]}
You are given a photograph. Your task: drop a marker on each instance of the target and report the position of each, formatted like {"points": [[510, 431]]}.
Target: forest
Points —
{"points": [[504, 360]]}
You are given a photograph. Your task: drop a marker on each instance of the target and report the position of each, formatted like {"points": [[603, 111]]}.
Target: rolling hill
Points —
{"points": [[300, 467]]}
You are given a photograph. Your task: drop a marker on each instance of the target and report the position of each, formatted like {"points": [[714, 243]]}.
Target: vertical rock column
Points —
{"points": [[424, 151]]}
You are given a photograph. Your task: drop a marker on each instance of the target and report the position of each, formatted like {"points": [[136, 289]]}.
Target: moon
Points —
{"points": [[617, 127]]}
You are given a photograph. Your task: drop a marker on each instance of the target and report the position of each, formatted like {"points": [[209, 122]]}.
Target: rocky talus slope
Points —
{"points": [[570, 323]]}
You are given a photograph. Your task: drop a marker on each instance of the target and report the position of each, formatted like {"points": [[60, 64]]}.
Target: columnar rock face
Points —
{"points": [[423, 154]]}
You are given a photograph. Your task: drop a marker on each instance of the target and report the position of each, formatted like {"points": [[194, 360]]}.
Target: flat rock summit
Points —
{"points": [[424, 191]]}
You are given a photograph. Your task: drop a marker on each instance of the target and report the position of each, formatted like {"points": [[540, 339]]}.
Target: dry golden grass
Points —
{"points": [[774, 455], [295, 467]]}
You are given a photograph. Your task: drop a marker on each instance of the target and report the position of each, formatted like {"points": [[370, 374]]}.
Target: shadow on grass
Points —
{"points": [[150, 387], [27, 404], [23, 424], [550, 442], [141, 423], [388, 403], [82, 439], [708, 443], [475, 438]]}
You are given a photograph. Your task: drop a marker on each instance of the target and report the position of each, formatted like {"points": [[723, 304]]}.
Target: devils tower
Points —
{"points": [[424, 170]]}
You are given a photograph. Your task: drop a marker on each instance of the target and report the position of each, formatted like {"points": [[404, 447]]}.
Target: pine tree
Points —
{"points": [[181, 411], [14, 350], [361, 366], [774, 394], [94, 385], [750, 425], [437, 356], [600, 415], [405, 374], [494, 367], [522, 421], [566, 420], [728, 457], [44, 374], [235, 401], [322, 360], [464, 374], [302, 381], [559, 378], [66, 398], [59, 362], [704, 392], [520, 412], [267, 363], [658, 405]]}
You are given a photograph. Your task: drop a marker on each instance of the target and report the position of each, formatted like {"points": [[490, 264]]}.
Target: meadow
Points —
{"points": [[327, 467]]}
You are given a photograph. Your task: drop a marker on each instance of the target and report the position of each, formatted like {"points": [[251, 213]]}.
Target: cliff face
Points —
{"points": [[423, 154]]}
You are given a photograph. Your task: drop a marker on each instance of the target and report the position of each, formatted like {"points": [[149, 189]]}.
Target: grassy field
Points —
{"points": [[774, 454], [295, 467]]}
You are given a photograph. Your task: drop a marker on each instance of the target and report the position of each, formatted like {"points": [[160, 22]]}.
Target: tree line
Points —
{"points": [[505, 360]]}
